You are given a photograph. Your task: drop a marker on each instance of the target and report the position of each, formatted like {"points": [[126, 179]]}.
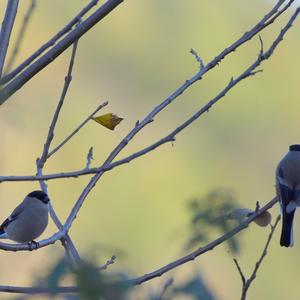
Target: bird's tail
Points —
{"points": [[286, 238]]}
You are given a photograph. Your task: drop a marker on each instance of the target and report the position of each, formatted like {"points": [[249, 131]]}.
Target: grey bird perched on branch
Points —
{"points": [[288, 191], [29, 219]]}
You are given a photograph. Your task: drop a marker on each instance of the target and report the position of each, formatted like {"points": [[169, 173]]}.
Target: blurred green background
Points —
{"points": [[135, 58]]}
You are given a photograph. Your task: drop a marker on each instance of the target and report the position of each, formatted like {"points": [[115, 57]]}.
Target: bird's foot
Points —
{"points": [[33, 245]]}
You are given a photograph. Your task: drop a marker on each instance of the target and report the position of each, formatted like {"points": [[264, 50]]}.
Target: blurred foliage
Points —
{"points": [[95, 285], [104, 285], [92, 284], [195, 288], [211, 212]]}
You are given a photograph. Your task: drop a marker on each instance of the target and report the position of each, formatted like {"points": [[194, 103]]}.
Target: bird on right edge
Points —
{"points": [[288, 192]]}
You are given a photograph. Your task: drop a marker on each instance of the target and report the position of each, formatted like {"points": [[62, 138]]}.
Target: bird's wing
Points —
{"points": [[284, 190], [17, 211]]}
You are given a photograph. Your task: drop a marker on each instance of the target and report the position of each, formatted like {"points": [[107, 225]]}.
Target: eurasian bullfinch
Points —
{"points": [[288, 191], [29, 219]]}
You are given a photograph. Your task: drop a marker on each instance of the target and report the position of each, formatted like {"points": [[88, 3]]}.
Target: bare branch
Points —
{"points": [[247, 282], [68, 79], [111, 261], [50, 43], [77, 129], [59, 48], [138, 280], [89, 158], [20, 37], [169, 138], [167, 284], [202, 250], [139, 125], [66, 240], [240, 271], [41, 244], [36, 290], [6, 29]]}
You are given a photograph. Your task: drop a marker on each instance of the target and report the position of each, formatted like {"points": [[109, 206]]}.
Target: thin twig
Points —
{"points": [[89, 158], [166, 286], [49, 43], [111, 261], [6, 29], [247, 282], [76, 130], [198, 58], [20, 37], [240, 271], [50, 135], [57, 49]]}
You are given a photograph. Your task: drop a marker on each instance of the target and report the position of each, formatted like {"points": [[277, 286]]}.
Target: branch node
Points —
{"points": [[89, 158], [257, 206]]}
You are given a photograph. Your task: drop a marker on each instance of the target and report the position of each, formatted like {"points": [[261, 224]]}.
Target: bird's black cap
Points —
{"points": [[295, 147], [40, 195]]}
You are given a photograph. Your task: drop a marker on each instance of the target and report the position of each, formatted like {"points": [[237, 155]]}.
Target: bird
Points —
{"points": [[28, 220], [288, 191]]}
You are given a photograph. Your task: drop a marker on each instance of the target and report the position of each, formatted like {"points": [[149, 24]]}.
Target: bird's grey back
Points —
{"points": [[289, 167], [34, 217]]}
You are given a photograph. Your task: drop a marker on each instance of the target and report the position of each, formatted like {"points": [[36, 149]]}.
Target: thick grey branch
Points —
{"points": [[6, 29], [50, 43], [20, 37], [59, 48]]}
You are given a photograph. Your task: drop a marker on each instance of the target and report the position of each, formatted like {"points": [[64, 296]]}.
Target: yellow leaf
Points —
{"points": [[109, 121]]}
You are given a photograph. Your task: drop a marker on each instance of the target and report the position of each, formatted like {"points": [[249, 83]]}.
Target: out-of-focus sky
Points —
{"points": [[135, 58]]}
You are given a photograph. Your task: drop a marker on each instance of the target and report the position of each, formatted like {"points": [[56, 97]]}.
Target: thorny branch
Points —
{"points": [[247, 282]]}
